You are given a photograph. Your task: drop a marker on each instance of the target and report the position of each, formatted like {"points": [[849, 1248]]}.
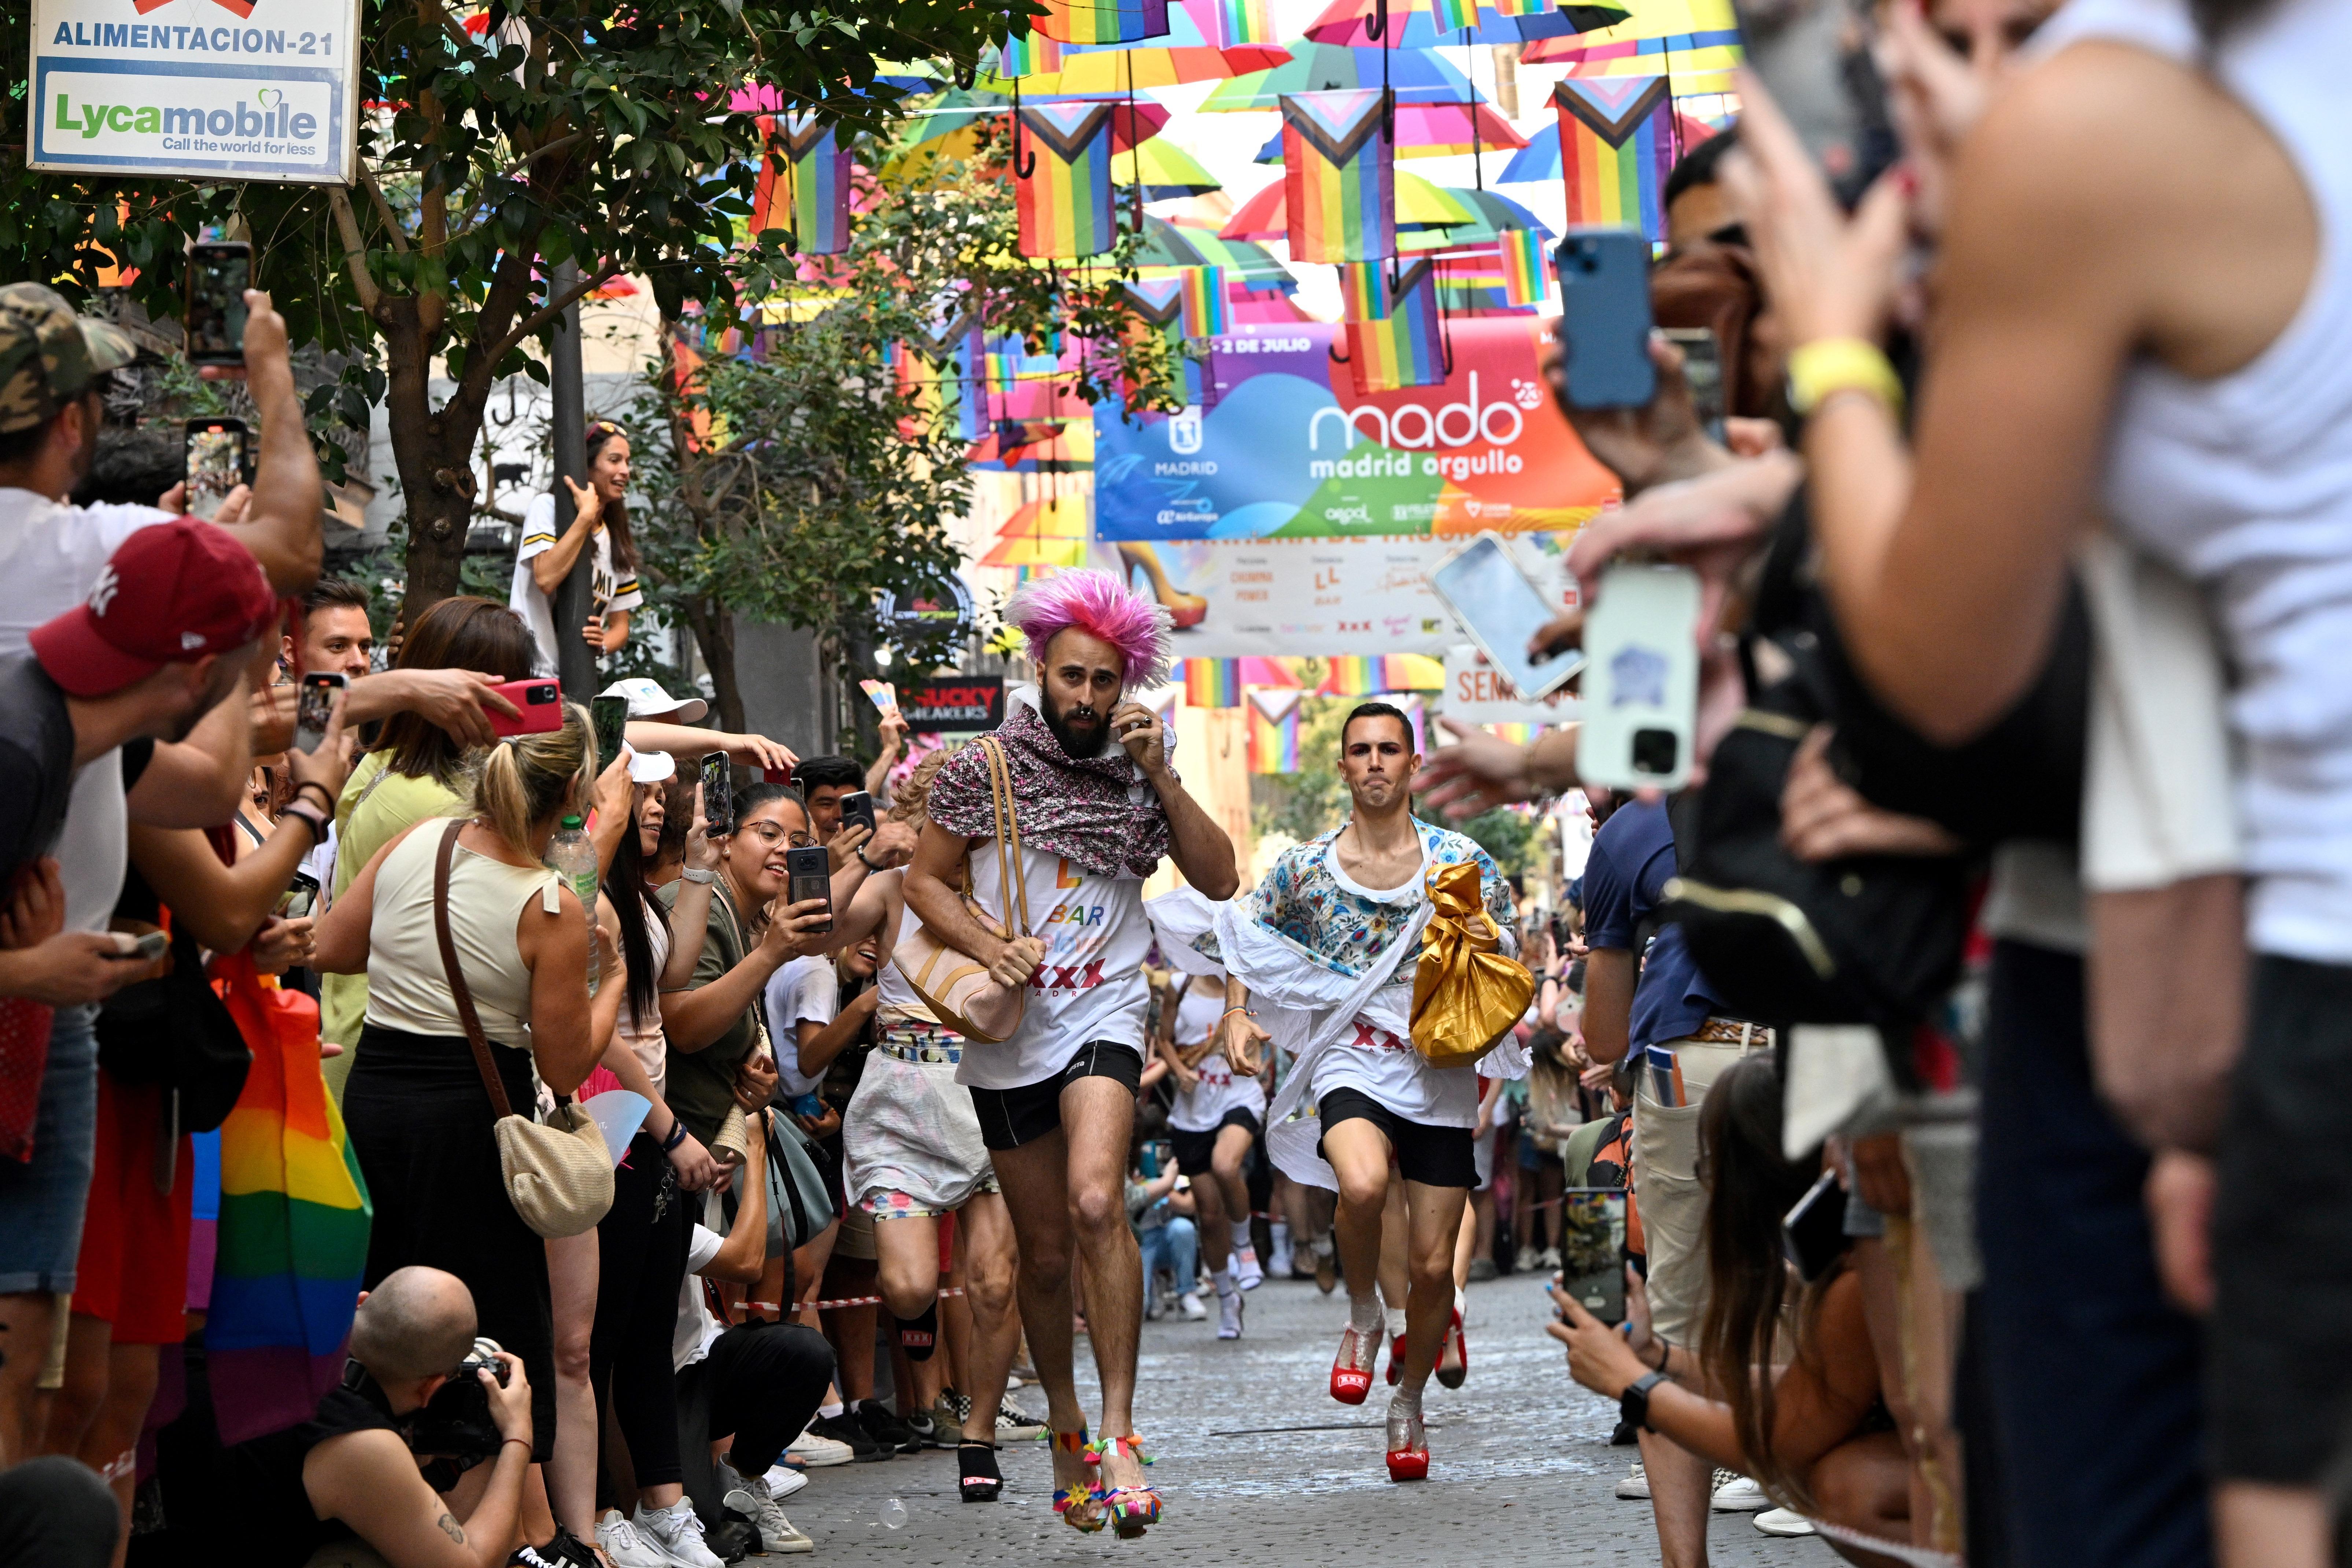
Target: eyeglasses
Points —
{"points": [[770, 833]]}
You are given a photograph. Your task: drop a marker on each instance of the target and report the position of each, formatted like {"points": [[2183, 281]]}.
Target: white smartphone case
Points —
{"points": [[1641, 678]]}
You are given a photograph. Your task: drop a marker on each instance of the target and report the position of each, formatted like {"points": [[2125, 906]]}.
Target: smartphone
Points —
{"points": [[213, 463], [808, 874], [1604, 317], [144, 948], [718, 795], [1501, 610], [315, 708], [610, 717], [1703, 372], [539, 700], [1814, 1236], [300, 899], [219, 272], [1641, 678], [858, 807], [1592, 1250], [1816, 58]]}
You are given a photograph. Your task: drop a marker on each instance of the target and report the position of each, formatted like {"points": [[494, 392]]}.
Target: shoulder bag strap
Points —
{"points": [[456, 973], [1008, 838]]}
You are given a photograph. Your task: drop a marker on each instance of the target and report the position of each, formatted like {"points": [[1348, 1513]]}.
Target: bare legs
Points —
{"points": [[1425, 1239], [908, 1267], [27, 1321], [571, 1272], [98, 1414]]}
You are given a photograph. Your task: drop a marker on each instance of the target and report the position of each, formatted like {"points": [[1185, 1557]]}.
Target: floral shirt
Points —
{"points": [[1306, 899]]}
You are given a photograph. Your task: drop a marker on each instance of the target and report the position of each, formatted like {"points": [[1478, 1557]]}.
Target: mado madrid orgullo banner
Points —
{"points": [[1283, 447], [200, 89]]}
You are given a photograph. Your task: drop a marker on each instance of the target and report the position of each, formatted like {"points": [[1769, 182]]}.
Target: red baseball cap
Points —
{"points": [[171, 594]]}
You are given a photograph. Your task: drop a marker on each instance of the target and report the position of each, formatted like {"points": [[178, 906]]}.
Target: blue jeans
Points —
{"points": [[41, 1203], [1174, 1246]]}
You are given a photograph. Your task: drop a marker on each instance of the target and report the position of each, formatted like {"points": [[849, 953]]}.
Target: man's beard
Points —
{"points": [[1075, 745]]}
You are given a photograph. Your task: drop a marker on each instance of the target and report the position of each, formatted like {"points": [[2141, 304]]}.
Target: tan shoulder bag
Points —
{"points": [[955, 985], [558, 1175]]}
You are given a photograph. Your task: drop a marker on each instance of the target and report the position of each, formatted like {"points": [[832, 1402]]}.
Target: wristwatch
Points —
{"points": [[691, 875], [1633, 1405], [860, 853]]}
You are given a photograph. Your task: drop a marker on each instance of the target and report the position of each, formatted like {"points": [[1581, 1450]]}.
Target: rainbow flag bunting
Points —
{"points": [[1103, 21], [803, 184], [294, 1217], [1032, 54], [1203, 301], [1339, 175], [1525, 279], [1213, 683], [1616, 146], [1245, 22], [1366, 675], [1452, 16], [1395, 327], [1273, 742], [1065, 200]]}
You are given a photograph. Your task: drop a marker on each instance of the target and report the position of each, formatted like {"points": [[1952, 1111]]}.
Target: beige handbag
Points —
{"points": [[955, 985], [559, 1174]]}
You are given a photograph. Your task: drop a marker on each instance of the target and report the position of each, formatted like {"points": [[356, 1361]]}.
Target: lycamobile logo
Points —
{"points": [[272, 118]]}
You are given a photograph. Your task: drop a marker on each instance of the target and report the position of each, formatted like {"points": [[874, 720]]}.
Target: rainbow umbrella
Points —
{"points": [[1413, 24], [1182, 54], [1049, 532], [1171, 245], [1419, 205], [1435, 131], [1415, 76], [1165, 171], [1695, 42]]}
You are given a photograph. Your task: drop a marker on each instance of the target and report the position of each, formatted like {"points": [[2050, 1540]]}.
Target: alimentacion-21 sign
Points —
{"points": [[200, 89]]}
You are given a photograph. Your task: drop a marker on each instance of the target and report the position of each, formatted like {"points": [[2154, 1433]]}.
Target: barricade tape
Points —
{"points": [[844, 1302]]}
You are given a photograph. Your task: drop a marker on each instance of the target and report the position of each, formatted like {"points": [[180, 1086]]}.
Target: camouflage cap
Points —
{"points": [[48, 355]]}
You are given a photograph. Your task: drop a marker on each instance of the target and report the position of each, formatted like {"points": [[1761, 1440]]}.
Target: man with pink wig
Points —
{"points": [[1056, 1098]]}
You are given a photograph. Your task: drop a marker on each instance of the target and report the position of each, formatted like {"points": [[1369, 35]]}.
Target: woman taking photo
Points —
{"points": [[419, 1115], [1815, 1432], [600, 525]]}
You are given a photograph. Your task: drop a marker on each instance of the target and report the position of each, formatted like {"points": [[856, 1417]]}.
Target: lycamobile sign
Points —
{"points": [[206, 89]]}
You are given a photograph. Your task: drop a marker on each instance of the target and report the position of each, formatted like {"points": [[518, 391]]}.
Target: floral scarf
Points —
{"points": [[1096, 812]]}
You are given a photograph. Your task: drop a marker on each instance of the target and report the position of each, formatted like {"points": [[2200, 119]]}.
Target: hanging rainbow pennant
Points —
{"points": [[803, 184], [1245, 22], [1273, 742], [1452, 16], [1203, 301], [1034, 54], [1159, 301], [294, 1218], [1616, 147], [1525, 280], [1213, 683], [1064, 197], [1395, 329], [1339, 176], [1103, 21], [1471, 283], [1367, 675]]}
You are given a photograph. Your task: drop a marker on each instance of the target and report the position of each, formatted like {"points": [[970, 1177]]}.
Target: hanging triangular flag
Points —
{"points": [[1339, 176], [1065, 197], [1616, 148], [1275, 701]]}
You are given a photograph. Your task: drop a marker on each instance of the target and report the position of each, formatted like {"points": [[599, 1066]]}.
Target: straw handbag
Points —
{"points": [[955, 985], [558, 1175], [1465, 995]]}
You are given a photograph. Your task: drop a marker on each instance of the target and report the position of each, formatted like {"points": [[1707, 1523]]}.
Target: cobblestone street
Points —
{"points": [[1259, 1466]]}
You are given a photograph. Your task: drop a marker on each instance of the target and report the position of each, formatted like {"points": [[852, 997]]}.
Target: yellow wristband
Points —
{"points": [[1842, 364]]}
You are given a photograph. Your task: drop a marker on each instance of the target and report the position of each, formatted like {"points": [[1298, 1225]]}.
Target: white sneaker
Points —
{"points": [[783, 1481], [1636, 1484], [1548, 1259], [752, 1500], [1740, 1494], [1279, 1266], [817, 1451], [1247, 1275], [623, 1546], [1525, 1263], [676, 1532], [1229, 1316], [1014, 1424], [1189, 1305], [1783, 1521]]}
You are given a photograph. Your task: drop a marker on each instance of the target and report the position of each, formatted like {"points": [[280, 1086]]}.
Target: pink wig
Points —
{"points": [[1100, 605]]}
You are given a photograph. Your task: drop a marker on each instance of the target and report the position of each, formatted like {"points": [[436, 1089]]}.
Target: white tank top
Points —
{"points": [[408, 988], [2244, 482], [644, 1035], [900, 1003]]}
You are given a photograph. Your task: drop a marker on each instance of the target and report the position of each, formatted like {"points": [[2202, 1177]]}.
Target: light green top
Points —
{"points": [[368, 815]]}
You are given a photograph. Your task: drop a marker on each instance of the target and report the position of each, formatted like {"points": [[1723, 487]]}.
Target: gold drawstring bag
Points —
{"points": [[1465, 995]]}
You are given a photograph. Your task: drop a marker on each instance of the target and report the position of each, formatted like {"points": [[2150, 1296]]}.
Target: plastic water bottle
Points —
{"points": [[570, 855]]}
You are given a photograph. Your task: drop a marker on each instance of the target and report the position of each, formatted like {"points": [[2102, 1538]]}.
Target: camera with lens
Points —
{"points": [[457, 1421]]}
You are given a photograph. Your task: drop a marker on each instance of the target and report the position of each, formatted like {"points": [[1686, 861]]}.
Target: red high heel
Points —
{"points": [[1396, 1360], [1454, 1357], [1349, 1383], [1408, 1452]]}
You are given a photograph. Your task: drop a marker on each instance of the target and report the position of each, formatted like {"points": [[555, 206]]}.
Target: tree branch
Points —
{"points": [[347, 224], [555, 306], [383, 210], [558, 146]]}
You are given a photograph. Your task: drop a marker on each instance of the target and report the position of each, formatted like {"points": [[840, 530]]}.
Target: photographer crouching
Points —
{"points": [[421, 1397]]}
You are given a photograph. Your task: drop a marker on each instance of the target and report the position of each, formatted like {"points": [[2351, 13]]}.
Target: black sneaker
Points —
{"points": [[847, 1428], [894, 1435]]}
